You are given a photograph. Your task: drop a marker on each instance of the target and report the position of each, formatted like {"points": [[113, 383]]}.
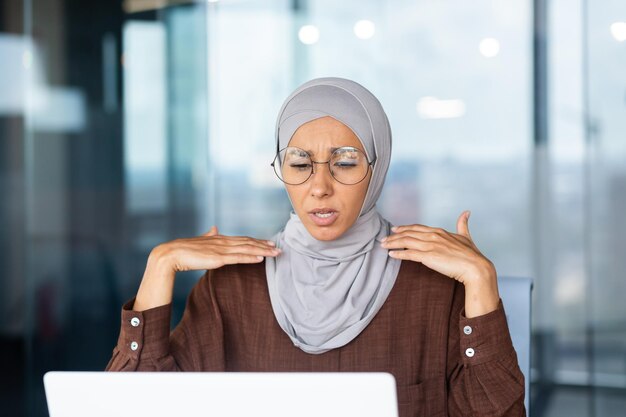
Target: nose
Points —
{"points": [[321, 182]]}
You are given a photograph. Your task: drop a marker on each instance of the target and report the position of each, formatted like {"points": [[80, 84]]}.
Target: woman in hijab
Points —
{"points": [[338, 289]]}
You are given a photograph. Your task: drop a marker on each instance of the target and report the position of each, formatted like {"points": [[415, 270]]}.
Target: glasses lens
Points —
{"points": [[293, 165], [348, 165]]}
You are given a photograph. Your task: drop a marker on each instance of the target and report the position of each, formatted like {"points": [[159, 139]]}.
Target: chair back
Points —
{"points": [[515, 295]]}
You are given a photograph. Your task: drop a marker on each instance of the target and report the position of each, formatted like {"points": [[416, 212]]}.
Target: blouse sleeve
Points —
{"points": [[484, 378], [145, 342]]}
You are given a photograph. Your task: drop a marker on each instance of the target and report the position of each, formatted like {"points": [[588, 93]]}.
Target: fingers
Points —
{"points": [[235, 249], [406, 241], [452, 254], [462, 226], [247, 239], [234, 244], [212, 232], [415, 227], [423, 233], [238, 240], [427, 233], [212, 250], [251, 249], [240, 258], [409, 254], [248, 253]]}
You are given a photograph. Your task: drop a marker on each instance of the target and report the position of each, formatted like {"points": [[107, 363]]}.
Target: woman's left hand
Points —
{"points": [[452, 254]]}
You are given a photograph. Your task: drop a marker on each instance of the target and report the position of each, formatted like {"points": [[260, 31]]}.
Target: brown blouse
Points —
{"points": [[444, 364]]}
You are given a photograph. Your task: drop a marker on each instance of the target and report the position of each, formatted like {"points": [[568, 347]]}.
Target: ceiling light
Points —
{"points": [[364, 29], [489, 47], [434, 108], [618, 30], [309, 34]]}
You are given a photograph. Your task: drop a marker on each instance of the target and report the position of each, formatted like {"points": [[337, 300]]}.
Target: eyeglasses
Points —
{"points": [[347, 165]]}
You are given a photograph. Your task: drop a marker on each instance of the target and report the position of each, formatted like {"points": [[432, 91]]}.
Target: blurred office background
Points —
{"points": [[124, 124]]}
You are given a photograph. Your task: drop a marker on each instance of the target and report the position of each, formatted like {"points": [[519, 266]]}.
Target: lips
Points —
{"points": [[323, 216]]}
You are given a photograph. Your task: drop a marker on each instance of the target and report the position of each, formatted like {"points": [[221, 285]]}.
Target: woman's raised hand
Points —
{"points": [[452, 254], [212, 250], [208, 251]]}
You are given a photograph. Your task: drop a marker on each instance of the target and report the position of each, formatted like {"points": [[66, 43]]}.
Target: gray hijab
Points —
{"points": [[324, 293]]}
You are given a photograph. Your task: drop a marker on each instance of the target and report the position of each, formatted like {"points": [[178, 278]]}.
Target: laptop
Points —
{"points": [[223, 394]]}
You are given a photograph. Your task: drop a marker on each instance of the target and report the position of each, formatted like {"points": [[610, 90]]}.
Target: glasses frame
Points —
{"points": [[370, 164]]}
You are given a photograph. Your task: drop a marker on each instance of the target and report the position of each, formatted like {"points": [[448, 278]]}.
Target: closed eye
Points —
{"points": [[345, 164], [300, 166]]}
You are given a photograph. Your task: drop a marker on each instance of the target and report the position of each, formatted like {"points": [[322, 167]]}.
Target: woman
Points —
{"points": [[337, 289]]}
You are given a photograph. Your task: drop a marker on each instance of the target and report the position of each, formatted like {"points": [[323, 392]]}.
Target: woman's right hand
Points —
{"points": [[212, 251], [208, 251]]}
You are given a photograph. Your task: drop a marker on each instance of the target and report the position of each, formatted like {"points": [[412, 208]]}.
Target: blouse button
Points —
{"points": [[135, 322], [134, 346], [469, 352], [467, 330]]}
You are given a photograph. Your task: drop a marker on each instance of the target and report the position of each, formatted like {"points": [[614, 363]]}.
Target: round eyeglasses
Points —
{"points": [[347, 165]]}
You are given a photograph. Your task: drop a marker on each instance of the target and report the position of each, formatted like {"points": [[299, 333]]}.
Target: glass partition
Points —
{"points": [[605, 117], [127, 124]]}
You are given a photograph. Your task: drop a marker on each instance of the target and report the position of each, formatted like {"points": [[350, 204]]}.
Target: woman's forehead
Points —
{"points": [[323, 135]]}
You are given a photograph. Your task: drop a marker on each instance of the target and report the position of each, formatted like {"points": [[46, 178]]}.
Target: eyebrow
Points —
{"points": [[310, 152]]}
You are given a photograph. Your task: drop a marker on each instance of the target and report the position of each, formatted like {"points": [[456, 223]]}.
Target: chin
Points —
{"points": [[324, 234]]}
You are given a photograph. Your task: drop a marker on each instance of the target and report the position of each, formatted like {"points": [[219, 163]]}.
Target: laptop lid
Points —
{"points": [[224, 394]]}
